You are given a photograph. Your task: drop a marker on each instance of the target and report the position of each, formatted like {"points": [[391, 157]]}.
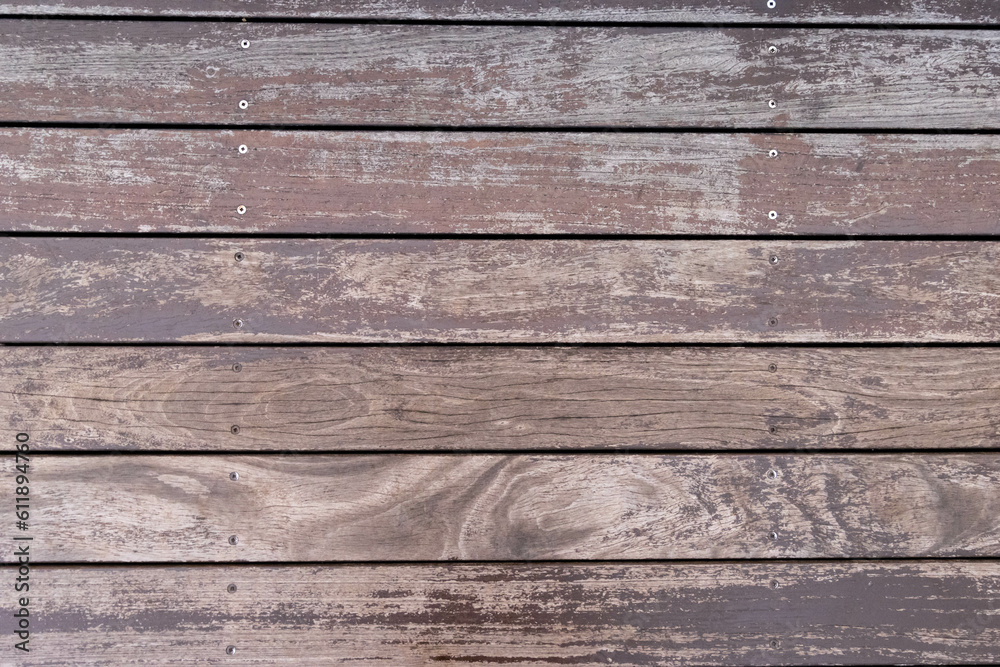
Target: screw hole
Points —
{"points": [[235, 476], [237, 368], [243, 148], [234, 429], [231, 588], [233, 540]]}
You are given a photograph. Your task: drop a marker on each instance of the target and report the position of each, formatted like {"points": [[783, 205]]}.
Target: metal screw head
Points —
{"points": [[774, 585], [770, 103], [234, 429], [237, 367], [241, 209], [245, 43], [772, 153], [235, 476], [771, 474], [772, 430], [772, 215], [772, 49], [775, 643], [231, 588], [243, 148], [773, 259], [230, 650], [772, 535], [244, 104], [238, 323], [772, 367], [773, 322], [771, 4], [239, 256], [235, 540]]}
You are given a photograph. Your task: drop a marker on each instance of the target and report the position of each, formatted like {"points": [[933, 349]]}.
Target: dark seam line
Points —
{"points": [[568, 453], [528, 563], [450, 236], [496, 129], [554, 344], [780, 23]]}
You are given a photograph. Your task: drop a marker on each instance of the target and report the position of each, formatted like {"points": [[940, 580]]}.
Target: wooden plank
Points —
{"points": [[849, 613], [495, 75], [478, 291], [500, 398], [507, 507], [69, 180], [712, 11]]}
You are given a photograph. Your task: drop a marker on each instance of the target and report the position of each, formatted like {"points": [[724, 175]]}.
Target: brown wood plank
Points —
{"points": [[497, 183], [849, 613], [494, 75], [478, 291], [507, 507], [490, 398], [713, 11]]}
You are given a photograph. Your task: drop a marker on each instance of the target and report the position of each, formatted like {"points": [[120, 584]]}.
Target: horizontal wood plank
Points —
{"points": [[848, 613], [508, 507], [71, 180], [494, 75], [500, 398], [478, 291], [713, 11]]}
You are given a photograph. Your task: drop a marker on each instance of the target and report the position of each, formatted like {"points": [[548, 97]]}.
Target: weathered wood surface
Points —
{"points": [[500, 398], [477, 291], [494, 75], [497, 183], [712, 11], [508, 507], [851, 613]]}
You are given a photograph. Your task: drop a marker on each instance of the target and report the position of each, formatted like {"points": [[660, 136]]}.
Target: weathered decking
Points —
{"points": [[451, 332]]}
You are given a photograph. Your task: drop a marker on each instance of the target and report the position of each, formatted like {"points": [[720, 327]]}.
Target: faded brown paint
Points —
{"points": [[497, 183], [292, 290], [487, 398], [494, 75], [751, 613], [490, 507], [712, 11]]}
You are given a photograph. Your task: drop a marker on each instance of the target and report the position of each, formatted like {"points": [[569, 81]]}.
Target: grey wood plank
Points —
{"points": [[211, 508], [711, 11], [495, 75], [853, 613], [73, 180], [480, 291], [459, 398]]}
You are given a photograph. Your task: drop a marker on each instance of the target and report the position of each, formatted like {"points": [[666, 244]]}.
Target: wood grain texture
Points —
{"points": [[526, 76], [70, 180], [459, 398], [297, 290], [712, 11], [508, 507], [849, 613]]}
